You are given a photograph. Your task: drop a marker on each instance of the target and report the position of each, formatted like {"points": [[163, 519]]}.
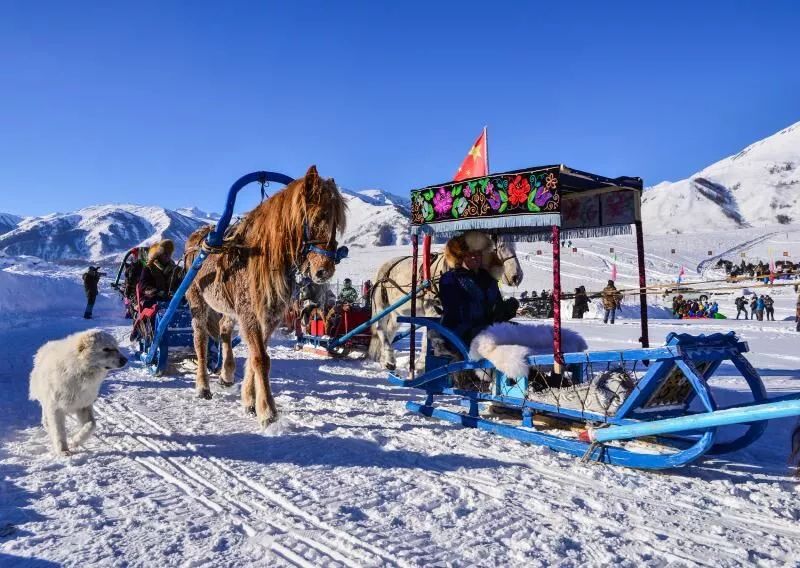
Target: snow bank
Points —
{"points": [[630, 309], [23, 296]]}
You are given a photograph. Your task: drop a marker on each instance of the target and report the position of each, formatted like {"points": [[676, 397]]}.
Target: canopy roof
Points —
{"points": [[528, 202]]}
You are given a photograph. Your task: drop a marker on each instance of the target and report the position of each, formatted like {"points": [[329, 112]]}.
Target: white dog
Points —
{"points": [[66, 379]]}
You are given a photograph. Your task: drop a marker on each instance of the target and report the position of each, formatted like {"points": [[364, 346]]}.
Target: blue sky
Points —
{"points": [[168, 102]]}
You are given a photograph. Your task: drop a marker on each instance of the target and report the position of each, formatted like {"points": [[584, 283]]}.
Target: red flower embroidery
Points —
{"points": [[518, 190]]}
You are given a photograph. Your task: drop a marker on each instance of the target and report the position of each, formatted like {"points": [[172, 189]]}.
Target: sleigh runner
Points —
{"points": [[650, 408]]}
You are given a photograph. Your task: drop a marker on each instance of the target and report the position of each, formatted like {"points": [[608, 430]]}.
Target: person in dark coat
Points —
{"points": [[741, 307], [91, 278], [159, 275], [581, 304], [471, 299], [769, 307]]}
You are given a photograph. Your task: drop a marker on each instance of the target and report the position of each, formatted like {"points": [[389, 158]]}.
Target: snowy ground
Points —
{"points": [[348, 477]]}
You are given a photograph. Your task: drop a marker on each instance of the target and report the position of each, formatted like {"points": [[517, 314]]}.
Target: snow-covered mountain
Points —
{"points": [[199, 214], [8, 222], [758, 186], [375, 218], [100, 232], [96, 232]]}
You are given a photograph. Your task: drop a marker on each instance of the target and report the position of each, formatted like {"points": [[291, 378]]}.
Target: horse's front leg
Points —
{"points": [[201, 351], [249, 389], [228, 360], [260, 366]]}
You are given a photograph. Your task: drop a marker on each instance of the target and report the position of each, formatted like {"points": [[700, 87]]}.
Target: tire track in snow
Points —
{"points": [[243, 514], [519, 499], [212, 466]]}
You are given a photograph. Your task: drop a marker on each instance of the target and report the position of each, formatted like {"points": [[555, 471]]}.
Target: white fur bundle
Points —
{"points": [[508, 345]]}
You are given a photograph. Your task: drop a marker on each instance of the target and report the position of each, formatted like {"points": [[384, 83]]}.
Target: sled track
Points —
{"points": [[299, 538], [647, 522], [703, 266]]}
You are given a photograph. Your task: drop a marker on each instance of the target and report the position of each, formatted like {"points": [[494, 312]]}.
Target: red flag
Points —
{"points": [[476, 163]]}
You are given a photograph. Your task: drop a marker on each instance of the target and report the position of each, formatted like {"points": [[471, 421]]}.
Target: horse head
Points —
{"points": [[508, 266], [323, 220]]}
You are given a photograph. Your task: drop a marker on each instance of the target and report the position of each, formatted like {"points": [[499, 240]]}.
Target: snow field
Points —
{"points": [[347, 477]]}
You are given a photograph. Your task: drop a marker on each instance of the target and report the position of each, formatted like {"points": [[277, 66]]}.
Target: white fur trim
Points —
{"points": [[508, 346]]}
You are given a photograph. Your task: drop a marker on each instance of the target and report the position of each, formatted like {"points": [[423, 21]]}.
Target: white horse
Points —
{"points": [[393, 281]]}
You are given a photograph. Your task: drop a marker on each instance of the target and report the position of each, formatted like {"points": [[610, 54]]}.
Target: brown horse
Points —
{"points": [[292, 233]]}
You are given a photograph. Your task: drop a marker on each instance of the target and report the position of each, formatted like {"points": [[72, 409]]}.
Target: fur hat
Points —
{"points": [[457, 247], [164, 247]]}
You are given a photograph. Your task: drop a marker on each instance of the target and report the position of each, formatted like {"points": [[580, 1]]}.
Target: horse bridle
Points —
{"points": [[496, 242], [336, 254]]}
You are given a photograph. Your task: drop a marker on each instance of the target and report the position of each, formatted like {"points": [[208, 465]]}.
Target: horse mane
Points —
{"points": [[272, 233]]}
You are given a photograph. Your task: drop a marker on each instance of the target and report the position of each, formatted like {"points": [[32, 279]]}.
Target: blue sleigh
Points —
{"points": [[661, 412]]}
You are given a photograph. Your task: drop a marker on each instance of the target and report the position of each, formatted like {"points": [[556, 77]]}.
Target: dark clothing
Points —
{"points": [[91, 279], [157, 281], [581, 305], [769, 308], [741, 307], [133, 272], [471, 301]]}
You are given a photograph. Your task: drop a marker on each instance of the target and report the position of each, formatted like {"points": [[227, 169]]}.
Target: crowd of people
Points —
{"points": [[683, 308], [760, 306], [536, 304], [760, 269]]}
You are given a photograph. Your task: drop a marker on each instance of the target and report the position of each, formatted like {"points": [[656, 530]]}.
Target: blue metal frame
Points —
{"points": [[155, 357], [693, 359]]}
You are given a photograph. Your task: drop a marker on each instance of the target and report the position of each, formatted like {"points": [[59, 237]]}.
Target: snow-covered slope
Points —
{"points": [[8, 222], [375, 218], [199, 214], [758, 186], [96, 232]]}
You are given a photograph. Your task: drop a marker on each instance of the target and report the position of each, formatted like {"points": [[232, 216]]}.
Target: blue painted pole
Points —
{"points": [[214, 238], [743, 415], [383, 313]]}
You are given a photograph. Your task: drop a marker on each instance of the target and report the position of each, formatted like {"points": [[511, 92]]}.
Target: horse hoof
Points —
{"points": [[204, 394], [250, 410], [267, 420], [390, 366], [226, 384]]}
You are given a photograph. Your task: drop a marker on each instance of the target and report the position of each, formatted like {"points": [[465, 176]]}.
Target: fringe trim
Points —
{"points": [[594, 232], [506, 224], [522, 230]]}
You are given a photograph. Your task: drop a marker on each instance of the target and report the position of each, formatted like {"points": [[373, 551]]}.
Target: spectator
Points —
{"points": [[760, 308], [581, 303], [91, 279], [769, 307], [741, 307], [611, 301]]}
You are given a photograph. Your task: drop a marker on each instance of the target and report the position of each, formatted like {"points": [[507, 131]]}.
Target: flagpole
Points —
{"points": [[486, 141]]}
